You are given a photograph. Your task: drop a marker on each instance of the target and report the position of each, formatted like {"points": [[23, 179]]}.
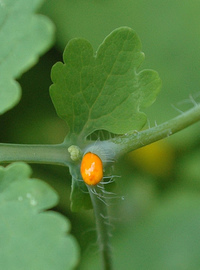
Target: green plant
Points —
{"points": [[99, 95]]}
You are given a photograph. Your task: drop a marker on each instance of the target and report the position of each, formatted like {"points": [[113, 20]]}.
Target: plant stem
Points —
{"points": [[58, 154], [102, 224], [130, 142], [47, 154]]}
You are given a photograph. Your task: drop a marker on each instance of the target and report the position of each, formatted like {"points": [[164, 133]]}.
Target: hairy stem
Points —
{"points": [[46, 154], [130, 142], [102, 224]]}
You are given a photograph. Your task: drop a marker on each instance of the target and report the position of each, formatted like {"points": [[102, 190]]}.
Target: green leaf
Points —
{"points": [[24, 36], [103, 90], [31, 238], [80, 198]]}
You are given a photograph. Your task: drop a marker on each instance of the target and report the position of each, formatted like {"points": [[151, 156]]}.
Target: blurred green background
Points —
{"points": [[156, 211]]}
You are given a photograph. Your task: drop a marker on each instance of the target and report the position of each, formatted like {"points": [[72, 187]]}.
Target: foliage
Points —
{"points": [[157, 194], [91, 92], [31, 237], [24, 36]]}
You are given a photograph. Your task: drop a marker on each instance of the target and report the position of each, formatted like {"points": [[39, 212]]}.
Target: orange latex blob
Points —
{"points": [[91, 169]]}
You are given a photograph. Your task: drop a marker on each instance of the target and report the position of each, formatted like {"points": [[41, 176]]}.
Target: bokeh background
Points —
{"points": [[156, 211]]}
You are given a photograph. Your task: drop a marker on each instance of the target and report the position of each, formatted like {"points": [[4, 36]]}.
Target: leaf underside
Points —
{"points": [[24, 36], [32, 238], [103, 91]]}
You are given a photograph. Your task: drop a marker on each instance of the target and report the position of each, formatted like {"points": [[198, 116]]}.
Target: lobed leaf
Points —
{"points": [[30, 237], [24, 36], [103, 91]]}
